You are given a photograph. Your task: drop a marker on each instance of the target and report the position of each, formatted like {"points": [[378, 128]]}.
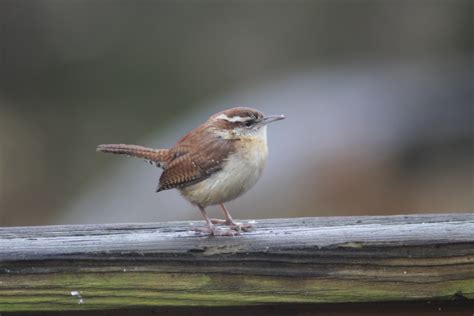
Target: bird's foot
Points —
{"points": [[216, 231], [218, 221], [232, 225], [240, 226]]}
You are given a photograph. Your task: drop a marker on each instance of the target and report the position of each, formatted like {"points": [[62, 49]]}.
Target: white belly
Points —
{"points": [[240, 172]]}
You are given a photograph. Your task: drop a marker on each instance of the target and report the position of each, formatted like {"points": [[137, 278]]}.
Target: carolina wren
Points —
{"points": [[214, 163]]}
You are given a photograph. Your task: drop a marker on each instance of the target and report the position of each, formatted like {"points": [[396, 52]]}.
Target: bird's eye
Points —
{"points": [[249, 122]]}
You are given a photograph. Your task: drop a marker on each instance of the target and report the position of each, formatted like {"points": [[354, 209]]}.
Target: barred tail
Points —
{"points": [[157, 156]]}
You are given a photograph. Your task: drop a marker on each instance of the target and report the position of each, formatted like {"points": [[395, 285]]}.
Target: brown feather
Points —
{"points": [[194, 158]]}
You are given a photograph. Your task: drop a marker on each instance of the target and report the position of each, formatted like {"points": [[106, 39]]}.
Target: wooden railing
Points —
{"points": [[297, 260]]}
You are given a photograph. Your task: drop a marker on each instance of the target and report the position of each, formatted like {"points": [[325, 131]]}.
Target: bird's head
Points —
{"points": [[242, 122]]}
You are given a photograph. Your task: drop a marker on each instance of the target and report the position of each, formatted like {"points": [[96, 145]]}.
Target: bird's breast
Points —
{"points": [[240, 171]]}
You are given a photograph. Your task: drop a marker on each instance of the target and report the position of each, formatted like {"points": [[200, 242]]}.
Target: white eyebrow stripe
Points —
{"points": [[233, 119]]}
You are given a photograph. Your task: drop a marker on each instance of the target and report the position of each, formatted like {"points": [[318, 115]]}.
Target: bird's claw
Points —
{"points": [[216, 231], [241, 227], [232, 225], [218, 221]]}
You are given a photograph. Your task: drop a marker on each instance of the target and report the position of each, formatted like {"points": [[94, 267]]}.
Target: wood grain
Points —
{"points": [[298, 260]]}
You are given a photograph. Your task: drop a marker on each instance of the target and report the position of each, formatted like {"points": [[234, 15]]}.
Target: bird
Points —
{"points": [[214, 163]]}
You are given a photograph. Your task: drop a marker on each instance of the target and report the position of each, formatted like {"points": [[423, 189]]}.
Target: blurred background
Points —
{"points": [[378, 97]]}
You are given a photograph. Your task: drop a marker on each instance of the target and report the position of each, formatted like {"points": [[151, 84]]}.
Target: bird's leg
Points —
{"points": [[227, 221], [234, 225], [211, 229], [218, 221]]}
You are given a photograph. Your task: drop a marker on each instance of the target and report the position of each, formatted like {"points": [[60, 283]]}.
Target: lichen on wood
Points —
{"points": [[299, 260]]}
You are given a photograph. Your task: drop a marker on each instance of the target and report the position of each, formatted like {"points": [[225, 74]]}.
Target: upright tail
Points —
{"points": [[158, 156]]}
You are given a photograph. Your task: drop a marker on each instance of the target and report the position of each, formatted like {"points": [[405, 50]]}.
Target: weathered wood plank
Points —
{"points": [[307, 260]]}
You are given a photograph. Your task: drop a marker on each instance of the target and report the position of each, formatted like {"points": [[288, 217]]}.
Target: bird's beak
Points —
{"points": [[268, 119]]}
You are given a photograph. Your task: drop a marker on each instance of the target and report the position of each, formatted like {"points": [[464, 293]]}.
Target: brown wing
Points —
{"points": [[195, 158]]}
